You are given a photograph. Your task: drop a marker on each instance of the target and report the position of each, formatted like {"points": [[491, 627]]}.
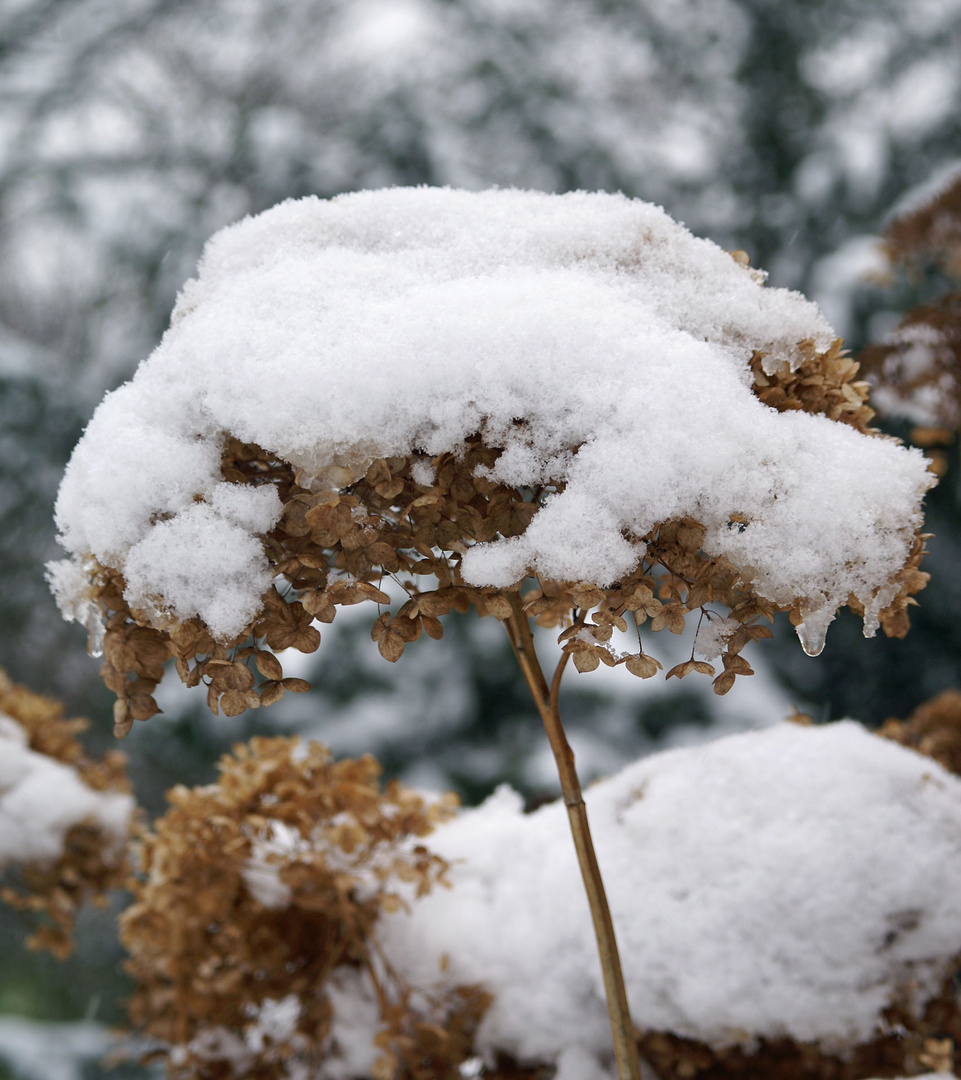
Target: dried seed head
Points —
{"points": [[262, 890], [90, 857]]}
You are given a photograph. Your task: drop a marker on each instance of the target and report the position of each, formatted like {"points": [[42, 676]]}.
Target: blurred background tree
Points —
{"points": [[131, 130]]}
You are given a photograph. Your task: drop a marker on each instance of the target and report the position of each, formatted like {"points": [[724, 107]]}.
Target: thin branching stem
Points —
{"points": [[546, 698]]}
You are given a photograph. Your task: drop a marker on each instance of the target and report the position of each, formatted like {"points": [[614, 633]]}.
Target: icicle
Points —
{"points": [[813, 630], [96, 631]]}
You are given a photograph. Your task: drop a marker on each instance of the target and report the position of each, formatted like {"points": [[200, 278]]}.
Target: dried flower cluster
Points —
{"points": [[934, 729], [929, 229], [918, 365], [259, 905], [92, 861], [255, 914], [826, 383], [411, 519], [534, 405], [907, 1045], [257, 893]]}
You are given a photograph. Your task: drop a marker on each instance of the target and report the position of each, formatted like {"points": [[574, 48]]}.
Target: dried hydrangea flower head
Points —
{"points": [[466, 392], [59, 851], [917, 367], [925, 226], [255, 905], [934, 728], [833, 909]]}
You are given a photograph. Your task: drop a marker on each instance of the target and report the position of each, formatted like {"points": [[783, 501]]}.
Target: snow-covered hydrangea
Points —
{"points": [[65, 818], [626, 372], [41, 799], [917, 366], [259, 891], [787, 884]]}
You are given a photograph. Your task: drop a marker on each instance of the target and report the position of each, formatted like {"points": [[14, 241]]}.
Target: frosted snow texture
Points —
{"points": [[335, 332], [787, 882], [41, 799]]}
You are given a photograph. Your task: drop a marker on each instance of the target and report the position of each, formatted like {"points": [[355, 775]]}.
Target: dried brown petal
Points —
{"points": [[234, 702], [389, 641], [122, 720], [317, 603], [671, 616], [643, 666], [143, 706], [680, 670], [268, 665], [498, 606], [587, 659], [736, 664], [724, 682], [408, 629], [271, 693], [296, 686], [371, 592]]}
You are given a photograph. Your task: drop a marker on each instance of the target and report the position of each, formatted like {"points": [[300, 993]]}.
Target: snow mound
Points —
{"points": [[41, 799], [788, 882], [332, 333]]}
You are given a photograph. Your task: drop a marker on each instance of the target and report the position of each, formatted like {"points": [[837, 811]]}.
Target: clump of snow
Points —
{"points": [[274, 1022], [335, 332], [41, 799], [262, 871], [351, 1051], [788, 882], [713, 635]]}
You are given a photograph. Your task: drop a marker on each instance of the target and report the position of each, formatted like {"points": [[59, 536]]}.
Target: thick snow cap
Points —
{"points": [[791, 882], [335, 332]]}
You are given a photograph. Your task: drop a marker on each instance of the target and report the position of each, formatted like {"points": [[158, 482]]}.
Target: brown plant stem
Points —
{"points": [[546, 698]]}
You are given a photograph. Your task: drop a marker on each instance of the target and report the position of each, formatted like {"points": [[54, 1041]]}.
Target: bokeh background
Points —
{"points": [[130, 130]]}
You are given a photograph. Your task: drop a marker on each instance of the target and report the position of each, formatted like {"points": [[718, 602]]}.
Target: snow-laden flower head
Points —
{"points": [[483, 387]]}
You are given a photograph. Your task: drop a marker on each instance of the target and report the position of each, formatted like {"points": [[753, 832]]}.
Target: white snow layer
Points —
{"points": [[786, 882], [36, 1050], [335, 332], [41, 799]]}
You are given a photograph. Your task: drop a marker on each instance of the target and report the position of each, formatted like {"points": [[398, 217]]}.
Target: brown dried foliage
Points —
{"points": [[933, 729], [822, 383], [934, 329], [909, 1046], [207, 953], [929, 233], [91, 865], [922, 357], [334, 548]]}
